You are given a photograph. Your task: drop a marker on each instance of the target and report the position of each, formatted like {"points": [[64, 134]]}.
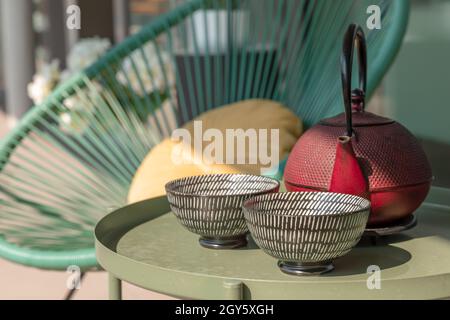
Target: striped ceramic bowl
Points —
{"points": [[211, 205], [306, 231]]}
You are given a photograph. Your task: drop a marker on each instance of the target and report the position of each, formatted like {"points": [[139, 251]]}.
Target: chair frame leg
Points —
{"points": [[71, 292]]}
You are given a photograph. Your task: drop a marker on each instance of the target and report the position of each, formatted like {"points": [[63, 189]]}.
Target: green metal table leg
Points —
{"points": [[233, 290], [115, 288]]}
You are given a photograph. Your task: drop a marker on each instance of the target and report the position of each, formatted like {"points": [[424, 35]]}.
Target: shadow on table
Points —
{"points": [[397, 238], [434, 226], [359, 259], [251, 245], [365, 254]]}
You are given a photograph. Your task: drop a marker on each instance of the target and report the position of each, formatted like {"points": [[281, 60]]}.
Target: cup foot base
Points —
{"points": [[223, 243], [299, 269]]}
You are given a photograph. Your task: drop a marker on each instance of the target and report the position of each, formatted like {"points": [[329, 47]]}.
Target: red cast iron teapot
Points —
{"points": [[360, 153]]}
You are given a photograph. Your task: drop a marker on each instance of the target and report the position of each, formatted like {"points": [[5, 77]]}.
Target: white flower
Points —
{"points": [[76, 118], [85, 52], [66, 119], [74, 103], [44, 82], [73, 123], [40, 22], [151, 70], [65, 75], [80, 108]]}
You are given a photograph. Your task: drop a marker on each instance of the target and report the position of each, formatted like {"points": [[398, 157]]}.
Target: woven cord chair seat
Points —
{"points": [[71, 159]]}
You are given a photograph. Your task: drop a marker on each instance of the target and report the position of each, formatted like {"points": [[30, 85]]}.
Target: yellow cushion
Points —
{"points": [[158, 168]]}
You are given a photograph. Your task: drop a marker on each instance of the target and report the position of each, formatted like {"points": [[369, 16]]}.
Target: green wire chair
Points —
{"points": [[71, 159]]}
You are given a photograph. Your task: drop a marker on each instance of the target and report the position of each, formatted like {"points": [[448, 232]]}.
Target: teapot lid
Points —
{"points": [[359, 119]]}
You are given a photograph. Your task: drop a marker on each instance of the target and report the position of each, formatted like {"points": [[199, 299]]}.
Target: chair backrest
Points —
{"points": [[73, 157]]}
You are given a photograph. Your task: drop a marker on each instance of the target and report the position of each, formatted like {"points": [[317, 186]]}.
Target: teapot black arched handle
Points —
{"points": [[354, 35]]}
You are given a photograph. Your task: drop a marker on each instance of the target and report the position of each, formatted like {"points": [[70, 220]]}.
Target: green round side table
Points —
{"points": [[143, 244]]}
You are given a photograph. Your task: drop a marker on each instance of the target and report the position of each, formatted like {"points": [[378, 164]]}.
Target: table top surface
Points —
{"points": [[145, 245]]}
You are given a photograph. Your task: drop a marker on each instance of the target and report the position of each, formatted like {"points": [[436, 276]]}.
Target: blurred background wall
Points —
{"points": [[416, 90]]}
